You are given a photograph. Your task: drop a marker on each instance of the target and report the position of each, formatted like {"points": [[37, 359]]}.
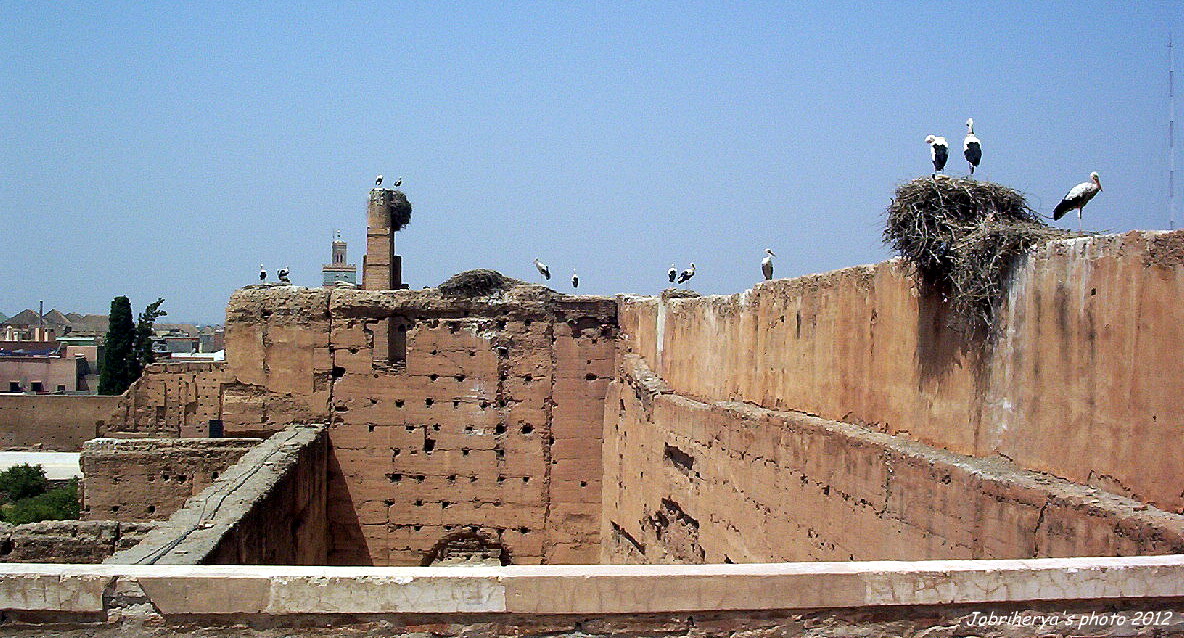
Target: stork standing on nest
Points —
{"points": [[939, 152], [262, 273], [686, 275], [971, 147], [543, 269], [1078, 197], [378, 181], [767, 264], [398, 182]]}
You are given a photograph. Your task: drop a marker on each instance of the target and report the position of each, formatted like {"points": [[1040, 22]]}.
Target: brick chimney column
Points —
{"points": [[382, 269]]}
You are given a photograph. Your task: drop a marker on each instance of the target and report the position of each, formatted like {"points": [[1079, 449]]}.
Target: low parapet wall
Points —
{"points": [[67, 541], [269, 508], [1083, 381], [1076, 595]]}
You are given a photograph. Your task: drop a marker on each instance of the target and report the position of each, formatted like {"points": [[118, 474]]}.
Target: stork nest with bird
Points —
{"points": [[962, 236]]}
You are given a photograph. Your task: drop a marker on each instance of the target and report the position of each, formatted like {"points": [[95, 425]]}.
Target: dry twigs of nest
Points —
{"points": [[477, 283], [963, 236]]}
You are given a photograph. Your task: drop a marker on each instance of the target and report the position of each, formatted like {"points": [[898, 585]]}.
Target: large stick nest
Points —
{"points": [[963, 236], [477, 283]]}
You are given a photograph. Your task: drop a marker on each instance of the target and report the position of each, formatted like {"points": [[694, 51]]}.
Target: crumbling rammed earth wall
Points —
{"points": [[1084, 382], [447, 415], [707, 460]]}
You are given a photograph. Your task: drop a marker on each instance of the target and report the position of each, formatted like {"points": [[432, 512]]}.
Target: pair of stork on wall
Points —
{"points": [[972, 149], [545, 271], [282, 273]]}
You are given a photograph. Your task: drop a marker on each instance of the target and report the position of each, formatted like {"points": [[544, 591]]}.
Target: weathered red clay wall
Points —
{"points": [[149, 479], [170, 399], [694, 482], [486, 419], [1084, 382], [58, 423]]}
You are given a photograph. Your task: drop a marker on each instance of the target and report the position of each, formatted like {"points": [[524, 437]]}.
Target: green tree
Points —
{"points": [[128, 347], [22, 481], [115, 376], [143, 341]]}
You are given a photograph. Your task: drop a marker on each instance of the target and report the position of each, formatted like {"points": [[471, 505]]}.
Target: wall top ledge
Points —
{"points": [[588, 589]]}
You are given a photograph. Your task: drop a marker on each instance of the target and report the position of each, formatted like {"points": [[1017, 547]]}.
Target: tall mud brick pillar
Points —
{"points": [[389, 212]]}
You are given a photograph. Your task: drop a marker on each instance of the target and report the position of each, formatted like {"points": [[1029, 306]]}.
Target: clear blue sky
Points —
{"points": [[161, 149]]}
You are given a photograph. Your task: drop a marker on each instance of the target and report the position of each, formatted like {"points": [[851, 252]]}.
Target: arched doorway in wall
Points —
{"points": [[472, 546]]}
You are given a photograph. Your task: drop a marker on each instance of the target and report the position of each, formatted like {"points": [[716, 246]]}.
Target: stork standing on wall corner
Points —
{"points": [[767, 264], [543, 269], [971, 147], [1078, 197], [262, 273], [575, 280]]}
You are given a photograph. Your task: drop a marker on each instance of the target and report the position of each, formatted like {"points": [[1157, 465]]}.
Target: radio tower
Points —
{"points": [[1171, 137]]}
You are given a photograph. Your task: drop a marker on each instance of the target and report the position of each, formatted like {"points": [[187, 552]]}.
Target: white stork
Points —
{"points": [[1078, 197], [398, 182], [262, 273], [971, 147], [767, 264], [939, 152], [575, 280], [378, 181], [542, 268], [282, 273], [672, 273], [686, 275]]}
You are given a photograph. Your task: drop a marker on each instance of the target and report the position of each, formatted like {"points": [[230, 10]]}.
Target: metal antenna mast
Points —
{"points": [[1171, 137]]}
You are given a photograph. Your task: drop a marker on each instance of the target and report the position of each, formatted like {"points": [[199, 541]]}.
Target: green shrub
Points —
{"points": [[22, 481], [58, 504]]}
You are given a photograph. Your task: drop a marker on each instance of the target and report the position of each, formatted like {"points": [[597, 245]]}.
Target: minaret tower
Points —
{"points": [[338, 271]]}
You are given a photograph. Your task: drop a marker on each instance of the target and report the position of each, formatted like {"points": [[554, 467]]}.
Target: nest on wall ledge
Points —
{"points": [[963, 236], [477, 283]]}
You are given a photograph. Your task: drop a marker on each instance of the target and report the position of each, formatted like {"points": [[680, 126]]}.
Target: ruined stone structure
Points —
{"points": [[834, 417]]}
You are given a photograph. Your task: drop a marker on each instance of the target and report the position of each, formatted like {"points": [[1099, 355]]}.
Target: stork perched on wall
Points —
{"points": [[262, 273], [672, 273], [939, 152], [767, 264], [1078, 197], [575, 280], [971, 147], [686, 275], [543, 269], [282, 273], [378, 181]]}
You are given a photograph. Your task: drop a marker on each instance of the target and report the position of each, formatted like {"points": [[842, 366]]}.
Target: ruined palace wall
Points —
{"points": [[85, 542], [694, 482], [448, 416], [148, 479], [56, 423], [170, 399], [1083, 383]]}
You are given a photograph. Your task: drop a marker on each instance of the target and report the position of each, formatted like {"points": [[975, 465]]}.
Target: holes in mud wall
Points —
{"points": [[469, 546]]}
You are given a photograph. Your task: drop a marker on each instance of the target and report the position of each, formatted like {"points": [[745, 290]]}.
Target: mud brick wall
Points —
{"points": [[170, 399], [54, 423], [67, 541], [1083, 382], [694, 482], [266, 509], [448, 416], [132, 480]]}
